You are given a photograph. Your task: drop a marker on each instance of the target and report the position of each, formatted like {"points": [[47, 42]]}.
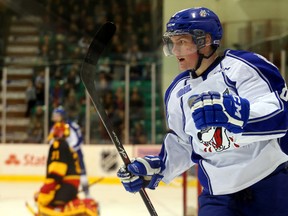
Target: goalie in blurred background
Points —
{"points": [[59, 193]]}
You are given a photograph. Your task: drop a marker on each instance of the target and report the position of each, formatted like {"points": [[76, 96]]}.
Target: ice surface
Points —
{"points": [[113, 199]]}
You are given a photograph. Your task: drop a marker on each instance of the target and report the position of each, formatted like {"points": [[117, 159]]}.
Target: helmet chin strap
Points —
{"points": [[193, 73]]}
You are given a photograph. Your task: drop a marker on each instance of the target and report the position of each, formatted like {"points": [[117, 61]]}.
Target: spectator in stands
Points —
{"points": [[60, 52], [134, 56], [119, 98], [38, 115], [73, 78], [30, 98], [40, 78], [104, 82], [39, 87], [35, 133], [117, 119], [40, 94], [136, 105], [72, 107], [138, 134], [57, 76], [57, 94], [36, 128], [83, 43]]}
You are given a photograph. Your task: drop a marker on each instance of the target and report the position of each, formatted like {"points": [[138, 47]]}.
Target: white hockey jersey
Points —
{"points": [[75, 139], [228, 162]]}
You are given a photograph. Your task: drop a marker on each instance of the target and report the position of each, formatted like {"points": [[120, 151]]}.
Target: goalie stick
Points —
{"points": [[91, 184], [31, 209], [88, 76]]}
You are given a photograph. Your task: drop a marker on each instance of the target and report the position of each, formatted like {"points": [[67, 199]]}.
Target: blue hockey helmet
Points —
{"points": [[58, 112], [198, 22]]}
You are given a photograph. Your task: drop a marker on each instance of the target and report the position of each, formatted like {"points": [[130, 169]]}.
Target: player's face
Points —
{"points": [[185, 51], [56, 117]]}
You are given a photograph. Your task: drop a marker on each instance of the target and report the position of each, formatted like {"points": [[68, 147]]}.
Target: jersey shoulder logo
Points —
{"points": [[183, 91]]}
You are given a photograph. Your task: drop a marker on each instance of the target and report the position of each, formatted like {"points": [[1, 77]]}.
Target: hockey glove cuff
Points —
{"points": [[147, 166], [212, 109]]}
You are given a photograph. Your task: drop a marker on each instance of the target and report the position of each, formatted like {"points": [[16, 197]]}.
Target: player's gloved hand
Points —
{"points": [[130, 182], [212, 109], [141, 173]]}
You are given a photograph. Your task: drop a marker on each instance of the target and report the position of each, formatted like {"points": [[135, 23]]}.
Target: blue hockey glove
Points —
{"points": [[212, 109], [130, 182], [141, 173]]}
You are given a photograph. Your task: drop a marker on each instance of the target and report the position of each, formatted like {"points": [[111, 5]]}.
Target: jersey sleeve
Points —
{"points": [[172, 149], [75, 138], [260, 82]]}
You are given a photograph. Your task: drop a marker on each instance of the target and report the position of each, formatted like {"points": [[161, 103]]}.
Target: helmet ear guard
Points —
{"points": [[199, 38]]}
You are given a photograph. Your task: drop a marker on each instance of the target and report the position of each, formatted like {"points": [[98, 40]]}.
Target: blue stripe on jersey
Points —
{"points": [[162, 154], [276, 122], [183, 115], [229, 83], [178, 79], [182, 109], [204, 178]]}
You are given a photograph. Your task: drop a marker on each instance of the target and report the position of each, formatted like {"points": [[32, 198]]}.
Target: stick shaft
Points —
{"points": [[87, 73]]}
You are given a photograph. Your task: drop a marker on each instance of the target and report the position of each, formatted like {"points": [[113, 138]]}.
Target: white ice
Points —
{"points": [[113, 199]]}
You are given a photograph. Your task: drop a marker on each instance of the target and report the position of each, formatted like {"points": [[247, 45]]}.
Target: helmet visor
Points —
{"points": [[178, 44], [181, 43]]}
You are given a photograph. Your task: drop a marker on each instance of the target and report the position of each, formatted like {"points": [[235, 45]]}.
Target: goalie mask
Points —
{"points": [[195, 22]]}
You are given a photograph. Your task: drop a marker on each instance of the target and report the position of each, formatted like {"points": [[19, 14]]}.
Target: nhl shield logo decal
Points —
{"points": [[109, 160]]}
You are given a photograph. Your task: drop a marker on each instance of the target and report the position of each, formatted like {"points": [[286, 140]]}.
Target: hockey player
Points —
{"points": [[228, 114], [59, 194], [75, 141], [63, 171]]}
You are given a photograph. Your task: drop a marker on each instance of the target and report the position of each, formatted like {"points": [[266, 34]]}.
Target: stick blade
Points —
{"points": [[100, 42], [96, 48]]}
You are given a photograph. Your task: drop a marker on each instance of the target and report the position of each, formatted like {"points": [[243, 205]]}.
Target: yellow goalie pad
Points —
{"points": [[77, 207]]}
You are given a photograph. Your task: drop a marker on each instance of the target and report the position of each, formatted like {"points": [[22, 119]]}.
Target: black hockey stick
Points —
{"points": [[88, 75]]}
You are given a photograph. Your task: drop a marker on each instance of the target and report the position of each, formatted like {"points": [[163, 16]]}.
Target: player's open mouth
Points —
{"points": [[181, 59]]}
